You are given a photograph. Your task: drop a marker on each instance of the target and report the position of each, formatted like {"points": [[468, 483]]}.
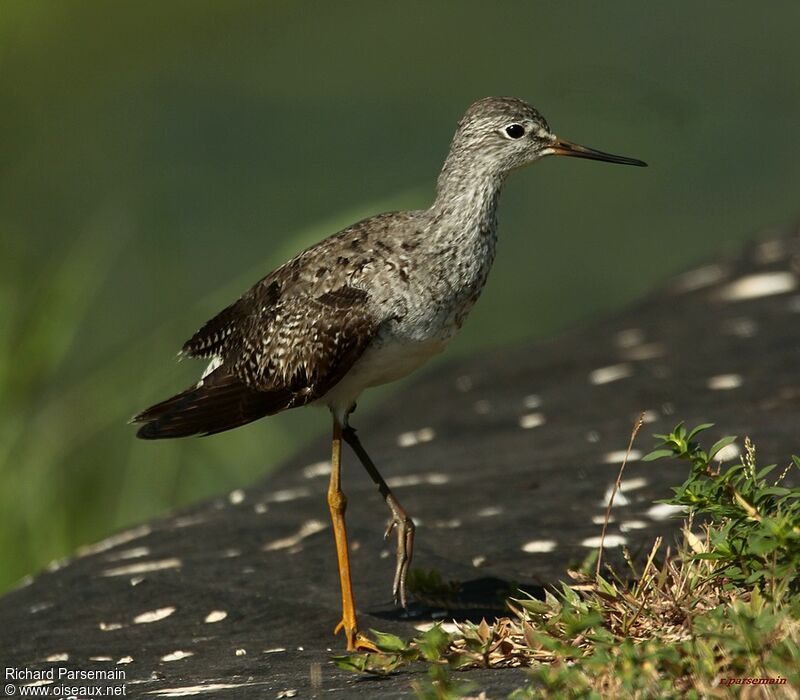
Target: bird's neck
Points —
{"points": [[466, 198]]}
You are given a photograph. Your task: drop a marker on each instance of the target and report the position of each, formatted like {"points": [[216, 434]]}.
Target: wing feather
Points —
{"points": [[274, 357]]}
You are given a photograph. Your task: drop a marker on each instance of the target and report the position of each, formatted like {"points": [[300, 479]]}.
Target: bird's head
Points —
{"points": [[504, 133]]}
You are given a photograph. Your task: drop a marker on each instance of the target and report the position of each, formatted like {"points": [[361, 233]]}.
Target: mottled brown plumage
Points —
{"points": [[289, 339]]}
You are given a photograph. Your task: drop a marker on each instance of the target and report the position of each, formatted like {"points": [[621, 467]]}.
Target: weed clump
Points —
{"points": [[719, 610]]}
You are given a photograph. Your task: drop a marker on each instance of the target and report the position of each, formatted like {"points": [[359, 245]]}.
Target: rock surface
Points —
{"points": [[506, 461]]}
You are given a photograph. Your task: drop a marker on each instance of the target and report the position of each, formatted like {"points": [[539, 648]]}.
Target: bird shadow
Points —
{"points": [[473, 600]]}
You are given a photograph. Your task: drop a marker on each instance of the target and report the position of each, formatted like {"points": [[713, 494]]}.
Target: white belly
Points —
{"points": [[379, 365]]}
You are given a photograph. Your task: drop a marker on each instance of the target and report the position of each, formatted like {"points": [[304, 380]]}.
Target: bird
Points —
{"points": [[364, 307]]}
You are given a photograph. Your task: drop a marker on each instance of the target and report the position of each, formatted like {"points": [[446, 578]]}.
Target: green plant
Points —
{"points": [[756, 538], [719, 609]]}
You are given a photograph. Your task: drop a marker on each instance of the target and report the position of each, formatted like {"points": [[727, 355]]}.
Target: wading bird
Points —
{"points": [[364, 307]]}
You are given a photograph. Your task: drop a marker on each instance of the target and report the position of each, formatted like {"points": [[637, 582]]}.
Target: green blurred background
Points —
{"points": [[156, 158]]}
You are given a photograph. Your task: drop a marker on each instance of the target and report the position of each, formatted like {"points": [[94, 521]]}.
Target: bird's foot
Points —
{"points": [[356, 641], [405, 548]]}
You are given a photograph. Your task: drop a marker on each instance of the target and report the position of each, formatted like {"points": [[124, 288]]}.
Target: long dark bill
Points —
{"points": [[567, 148]]}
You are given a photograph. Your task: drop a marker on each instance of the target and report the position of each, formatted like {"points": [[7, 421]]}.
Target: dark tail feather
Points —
{"points": [[220, 403]]}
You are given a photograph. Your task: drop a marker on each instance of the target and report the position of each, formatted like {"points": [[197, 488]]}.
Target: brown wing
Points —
{"points": [[223, 330], [274, 358]]}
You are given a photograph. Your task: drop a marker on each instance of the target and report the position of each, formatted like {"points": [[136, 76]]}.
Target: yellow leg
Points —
{"points": [[337, 503]]}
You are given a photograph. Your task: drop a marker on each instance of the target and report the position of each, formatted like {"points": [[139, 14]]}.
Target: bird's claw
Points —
{"points": [[356, 641], [405, 548]]}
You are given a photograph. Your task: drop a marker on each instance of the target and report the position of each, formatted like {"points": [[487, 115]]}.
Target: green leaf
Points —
{"points": [[755, 576], [657, 454], [378, 664], [433, 643], [584, 622], [388, 642], [699, 429], [532, 605], [761, 545], [766, 470], [774, 491], [607, 587], [351, 662], [569, 595]]}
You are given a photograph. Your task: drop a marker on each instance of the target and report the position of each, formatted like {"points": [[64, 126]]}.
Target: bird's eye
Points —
{"points": [[515, 131]]}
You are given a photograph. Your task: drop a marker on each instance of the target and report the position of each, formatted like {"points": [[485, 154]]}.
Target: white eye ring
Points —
{"points": [[513, 131]]}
